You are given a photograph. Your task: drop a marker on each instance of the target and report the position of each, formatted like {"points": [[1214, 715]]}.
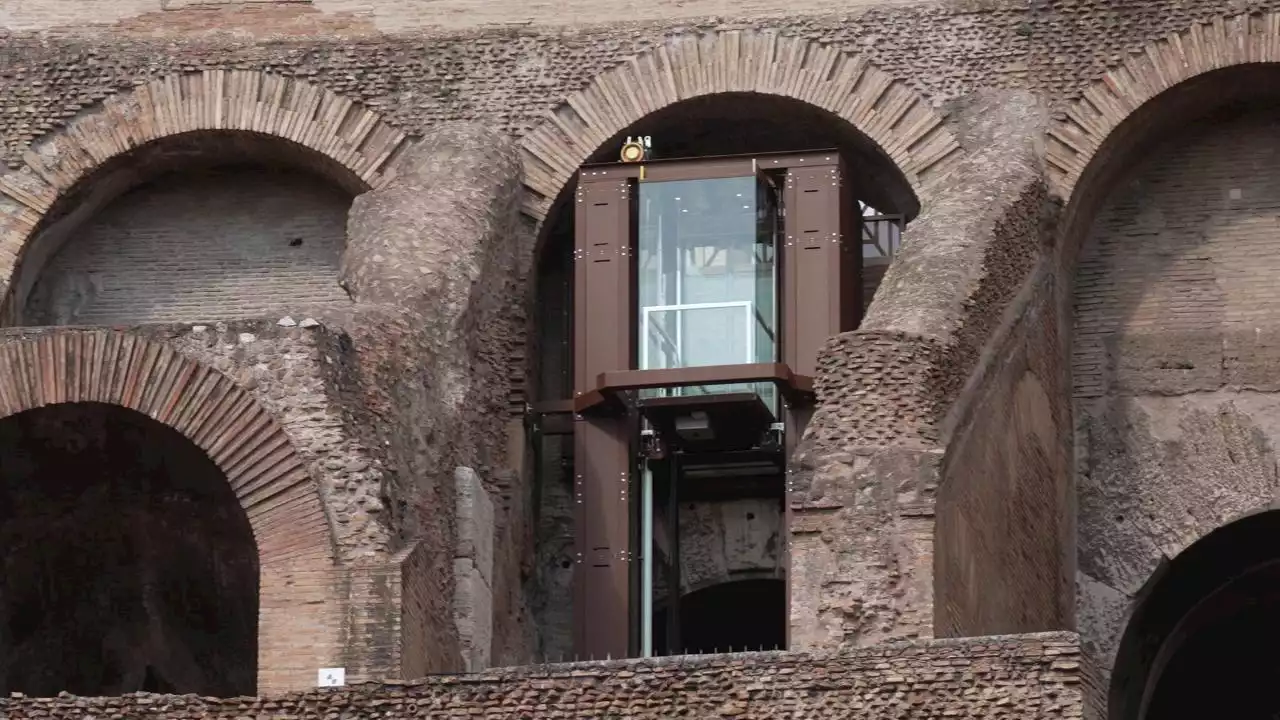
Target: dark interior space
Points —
{"points": [[1201, 641], [741, 616], [129, 564]]}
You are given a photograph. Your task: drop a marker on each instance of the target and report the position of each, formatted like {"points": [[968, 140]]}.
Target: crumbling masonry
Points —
{"points": [[284, 294]]}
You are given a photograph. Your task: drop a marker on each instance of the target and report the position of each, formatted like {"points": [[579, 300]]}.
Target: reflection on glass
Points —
{"points": [[707, 273]]}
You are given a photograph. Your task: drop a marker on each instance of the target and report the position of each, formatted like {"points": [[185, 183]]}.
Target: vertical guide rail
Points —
{"points": [[646, 561], [674, 643]]}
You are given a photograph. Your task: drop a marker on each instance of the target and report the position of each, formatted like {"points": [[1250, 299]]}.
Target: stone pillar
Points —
{"points": [[436, 261], [867, 477], [473, 571]]}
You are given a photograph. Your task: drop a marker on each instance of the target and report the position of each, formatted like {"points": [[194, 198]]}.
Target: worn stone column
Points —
{"points": [[868, 475], [436, 261]]}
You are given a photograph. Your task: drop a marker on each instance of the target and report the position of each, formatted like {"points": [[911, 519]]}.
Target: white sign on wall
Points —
{"points": [[332, 677]]}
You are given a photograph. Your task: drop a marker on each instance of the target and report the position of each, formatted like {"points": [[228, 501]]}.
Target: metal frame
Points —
{"points": [[819, 262], [648, 310]]}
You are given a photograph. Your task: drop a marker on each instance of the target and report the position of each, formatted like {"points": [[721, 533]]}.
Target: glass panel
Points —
{"points": [[707, 282]]}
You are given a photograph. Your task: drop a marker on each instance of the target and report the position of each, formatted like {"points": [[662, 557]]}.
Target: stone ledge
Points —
{"points": [[1040, 675]]}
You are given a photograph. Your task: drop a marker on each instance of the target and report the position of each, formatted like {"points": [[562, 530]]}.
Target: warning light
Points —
{"points": [[636, 149]]}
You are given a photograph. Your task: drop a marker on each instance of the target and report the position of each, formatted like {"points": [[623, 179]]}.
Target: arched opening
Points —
{"points": [[1201, 640], [738, 616], [194, 227], [709, 126], [128, 562], [1169, 240], [729, 124]]}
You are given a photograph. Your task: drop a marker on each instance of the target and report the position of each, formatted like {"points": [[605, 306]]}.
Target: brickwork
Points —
{"points": [[351, 142], [303, 16], [866, 473], [270, 480], [949, 382], [1174, 360], [434, 262], [1034, 676], [1006, 519], [1191, 49], [154, 255], [894, 118]]}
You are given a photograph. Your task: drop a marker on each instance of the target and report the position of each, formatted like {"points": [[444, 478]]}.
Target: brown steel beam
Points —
{"points": [[707, 168], [797, 388]]}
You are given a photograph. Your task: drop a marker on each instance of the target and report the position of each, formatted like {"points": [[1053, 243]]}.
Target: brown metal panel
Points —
{"points": [[851, 305], [811, 267], [609, 384], [602, 591], [699, 170], [603, 259], [604, 320]]}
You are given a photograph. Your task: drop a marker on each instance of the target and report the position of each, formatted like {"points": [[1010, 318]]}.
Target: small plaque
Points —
{"points": [[332, 677]]}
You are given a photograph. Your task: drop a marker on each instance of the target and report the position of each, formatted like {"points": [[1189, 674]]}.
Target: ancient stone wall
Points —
{"points": [[436, 261], [198, 247], [389, 16], [1004, 509], [910, 364], [868, 467], [1174, 359], [1032, 676], [1006, 513]]}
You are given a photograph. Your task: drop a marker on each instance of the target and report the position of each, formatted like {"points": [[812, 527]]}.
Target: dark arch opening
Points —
{"points": [[1201, 641], [738, 616], [254, 207], [128, 563]]}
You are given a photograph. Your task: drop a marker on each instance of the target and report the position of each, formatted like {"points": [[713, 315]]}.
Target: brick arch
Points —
{"points": [[352, 136], [271, 481], [1159, 66], [683, 67]]}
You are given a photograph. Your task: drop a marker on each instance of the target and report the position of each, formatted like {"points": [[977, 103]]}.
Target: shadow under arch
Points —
{"points": [[733, 123], [129, 563], [741, 615], [690, 65], [1200, 640]]}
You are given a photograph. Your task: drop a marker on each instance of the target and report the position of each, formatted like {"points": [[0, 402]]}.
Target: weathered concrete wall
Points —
{"points": [[473, 571], [1174, 359], [1030, 676], [728, 540], [198, 247]]}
